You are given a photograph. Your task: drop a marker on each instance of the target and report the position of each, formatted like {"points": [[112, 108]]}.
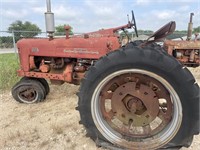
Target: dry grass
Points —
{"points": [[57, 128], [43, 144], [14, 135]]}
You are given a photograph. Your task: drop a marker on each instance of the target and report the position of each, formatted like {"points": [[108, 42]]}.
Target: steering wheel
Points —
{"points": [[134, 22]]}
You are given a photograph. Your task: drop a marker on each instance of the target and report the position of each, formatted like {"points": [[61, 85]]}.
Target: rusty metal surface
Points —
{"points": [[43, 67], [77, 77], [136, 105], [27, 93], [139, 105], [68, 72], [183, 44], [164, 31], [67, 29], [41, 75], [31, 63], [80, 68], [93, 46], [65, 76], [187, 52], [190, 27]]}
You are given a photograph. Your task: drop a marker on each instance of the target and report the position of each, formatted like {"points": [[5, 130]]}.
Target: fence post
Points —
{"points": [[14, 45]]}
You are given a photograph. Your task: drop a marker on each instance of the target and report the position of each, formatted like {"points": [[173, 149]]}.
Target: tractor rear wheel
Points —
{"points": [[139, 98], [28, 91]]}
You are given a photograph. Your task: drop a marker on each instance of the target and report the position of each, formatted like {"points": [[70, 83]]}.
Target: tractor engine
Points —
{"points": [[187, 52], [72, 69]]}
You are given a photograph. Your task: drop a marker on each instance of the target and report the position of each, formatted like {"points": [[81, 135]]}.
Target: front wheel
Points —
{"points": [[139, 99], [41, 80], [28, 91]]}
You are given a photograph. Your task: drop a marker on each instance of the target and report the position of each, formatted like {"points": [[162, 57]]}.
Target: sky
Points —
{"points": [[91, 15]]}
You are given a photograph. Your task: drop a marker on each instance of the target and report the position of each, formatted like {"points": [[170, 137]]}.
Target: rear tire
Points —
{"points": [[151, 72]]}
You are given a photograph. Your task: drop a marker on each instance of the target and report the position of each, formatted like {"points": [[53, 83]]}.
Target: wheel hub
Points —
{"points": [[136, 105], [27, 93]]}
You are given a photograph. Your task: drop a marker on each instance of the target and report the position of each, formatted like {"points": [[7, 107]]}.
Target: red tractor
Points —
{"points": [[135, 96]]}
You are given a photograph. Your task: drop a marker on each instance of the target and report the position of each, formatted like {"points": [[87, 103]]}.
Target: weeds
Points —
{"points": [[14, 135], [22, 136], [8, 67], [57, 128], [43, 144]]}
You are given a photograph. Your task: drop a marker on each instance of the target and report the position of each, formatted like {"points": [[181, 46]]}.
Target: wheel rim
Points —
{"points": [[27, 94], [131, 108]]}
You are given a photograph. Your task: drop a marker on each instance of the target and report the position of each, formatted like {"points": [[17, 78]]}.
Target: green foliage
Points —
{"points": [[130, 34], [60, 30], [19, 26], [196, 30], [177, 34], [6, 42], [8, 67], [123, 33], [145, 32], [182, 33]]}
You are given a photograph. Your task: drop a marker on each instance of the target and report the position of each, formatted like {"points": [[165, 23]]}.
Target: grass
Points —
{"points": [[22, 136], [57, 128], [8, 67]]}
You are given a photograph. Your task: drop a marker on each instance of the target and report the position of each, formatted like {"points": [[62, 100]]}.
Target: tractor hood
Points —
{"points": [[75, 47]]}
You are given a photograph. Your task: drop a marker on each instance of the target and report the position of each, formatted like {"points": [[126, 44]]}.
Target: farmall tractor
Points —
{"points": [[135, 96]]}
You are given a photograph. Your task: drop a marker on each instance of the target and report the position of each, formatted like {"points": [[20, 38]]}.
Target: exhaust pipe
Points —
{"points": [[190, 27], [49, 19]]}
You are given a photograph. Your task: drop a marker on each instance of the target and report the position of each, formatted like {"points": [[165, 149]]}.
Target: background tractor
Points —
{"points": [[186, 51], [135, 96]]}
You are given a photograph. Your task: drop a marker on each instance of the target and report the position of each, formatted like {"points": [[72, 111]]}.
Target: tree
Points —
{"points": [[145, 32], [21, 29], [177, 34], [196, 30], [6, 42], [60, 30]]}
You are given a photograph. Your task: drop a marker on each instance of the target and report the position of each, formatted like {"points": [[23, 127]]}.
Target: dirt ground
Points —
{"points": [[53, 124]]}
